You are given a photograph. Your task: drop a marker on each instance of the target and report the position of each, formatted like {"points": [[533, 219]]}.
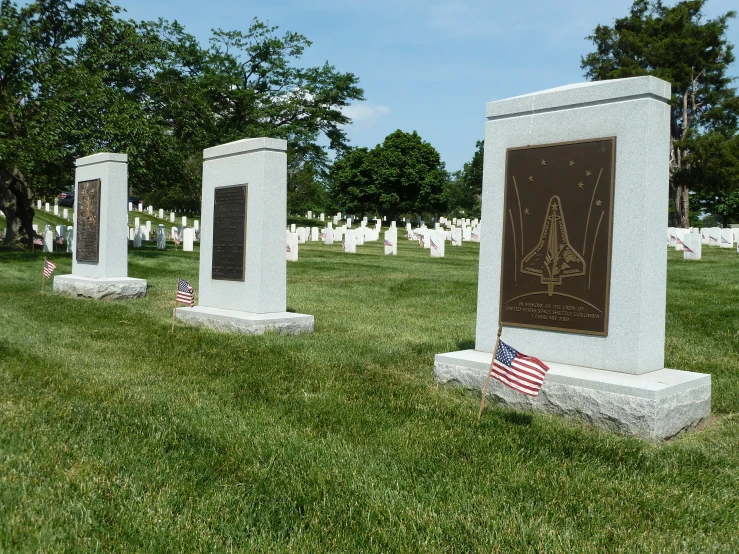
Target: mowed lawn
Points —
{"points": [[118, 436]]}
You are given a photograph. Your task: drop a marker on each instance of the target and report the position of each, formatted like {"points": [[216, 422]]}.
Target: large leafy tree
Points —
{"points": [[463, 191], [76, 79], [677, 44]]}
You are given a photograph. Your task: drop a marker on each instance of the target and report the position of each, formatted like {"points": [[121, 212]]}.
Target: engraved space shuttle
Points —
{"points": [[553, 258]]}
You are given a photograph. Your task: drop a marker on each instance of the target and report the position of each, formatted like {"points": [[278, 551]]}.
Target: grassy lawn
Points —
{"points": [[118, 436]]}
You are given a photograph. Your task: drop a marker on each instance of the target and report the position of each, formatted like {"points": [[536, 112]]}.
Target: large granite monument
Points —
{"points": [[242, 244], [569, 174], [100, 254]]}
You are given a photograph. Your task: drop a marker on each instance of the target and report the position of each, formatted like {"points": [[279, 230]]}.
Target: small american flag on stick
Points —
{"points": [[433, 245], [518, 371], [49, 267], [388, 243], [185, 292]]}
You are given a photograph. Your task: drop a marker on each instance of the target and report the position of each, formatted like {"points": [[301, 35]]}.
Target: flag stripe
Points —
{"points": [[518, 376], [531, 391]]}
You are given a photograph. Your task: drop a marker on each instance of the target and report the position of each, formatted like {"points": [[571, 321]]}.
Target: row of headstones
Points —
{"points": [[62, 234], [142, 233], [48, 208], [150, 210], [690, 241], [433, 240]]}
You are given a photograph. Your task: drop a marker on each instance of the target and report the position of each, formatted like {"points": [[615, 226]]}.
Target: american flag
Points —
{"points": [[388, 243], [343, 244], [49, 267], [185, 292], [176, 237], [724, 240], [712, 239], [475, 236], [518, 371], [288, 247], [38, 241], [433, 245], [688, 249]]}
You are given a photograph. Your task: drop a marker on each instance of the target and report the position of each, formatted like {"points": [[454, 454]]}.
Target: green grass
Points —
{"points": [[118, 436]]}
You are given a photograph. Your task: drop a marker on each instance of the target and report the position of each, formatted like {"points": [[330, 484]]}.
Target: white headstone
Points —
{"points": [[328, 235], [137, 222], [310, 214], [38, 204], [714, 236], [301, 233], [47, 207], [144, 233], [150, 209], [141, 206], [171, 217], [196, 224], [56, 209], [70, 239], [456, 237], [148, 226], [359, 236], [475, 235], [35, 228], [138, 236], [692, 247], [727, 238], [65, 213], [322, 217], [188, 239], [161, 213], [161, 237], [48, 241], [466, 233], [314, 234], [391, 242], [184, 221], [436, 243], [349, 243]]}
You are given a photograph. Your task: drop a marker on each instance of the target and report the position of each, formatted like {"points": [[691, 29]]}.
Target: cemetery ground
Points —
{"points": [[117, 435]]}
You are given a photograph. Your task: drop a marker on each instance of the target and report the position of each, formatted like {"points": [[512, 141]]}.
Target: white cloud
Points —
{"points": [[364, 113]]}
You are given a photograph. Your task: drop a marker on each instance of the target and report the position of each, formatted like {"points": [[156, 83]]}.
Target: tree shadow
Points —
{"points": [[466, 345]]}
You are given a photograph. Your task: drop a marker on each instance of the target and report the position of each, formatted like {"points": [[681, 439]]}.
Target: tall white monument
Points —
{"points": [[100, 255], [569, 174], [242, 245]]}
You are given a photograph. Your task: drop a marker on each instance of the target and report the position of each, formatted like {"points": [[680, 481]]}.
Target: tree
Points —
{"points": [[408, 174], [75, 79], [463, 191], [352, 182], [677, 45]]}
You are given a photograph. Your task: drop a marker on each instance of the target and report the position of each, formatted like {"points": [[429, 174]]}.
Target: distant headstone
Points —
{"points": [[314, 234], [38, 204], [70, 239], [328, 236], [184, 221], [141, 206], [291, 247], [391, 242], [137, 222], [56, 209], [692, 247], [188, 239], [138, 236], [48, 241], [349, 243], [161, 213], [456, 237], [47, 207], [436, 243], [196, 225], [322, 217], [148, 226], [301, 234], [293, 228], [727, 238], [171, 217], [714, 236], [150, 209], [161, 237], [65, 213]]}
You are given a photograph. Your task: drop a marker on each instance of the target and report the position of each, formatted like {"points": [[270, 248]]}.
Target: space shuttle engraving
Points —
{"points": [[553, 258]]}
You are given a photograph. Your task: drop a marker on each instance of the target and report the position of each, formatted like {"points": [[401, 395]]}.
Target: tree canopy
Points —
{"points": [[677, 44], [403, 175], [76, 79]]}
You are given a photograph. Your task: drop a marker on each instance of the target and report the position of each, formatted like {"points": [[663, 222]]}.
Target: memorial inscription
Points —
{"points": [[229, 233], [88, 221], [557, 236]]}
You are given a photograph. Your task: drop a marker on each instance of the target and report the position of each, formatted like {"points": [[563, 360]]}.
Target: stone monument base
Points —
{"points": [[286, 323], [100, 288], [654, 406]]}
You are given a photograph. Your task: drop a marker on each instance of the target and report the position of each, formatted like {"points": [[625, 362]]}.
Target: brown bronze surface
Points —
{"points": [[87, 232], [229, 233], [557, 236]]}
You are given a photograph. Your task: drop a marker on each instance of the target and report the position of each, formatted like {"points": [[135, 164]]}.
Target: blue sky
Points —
{"points": [[426, 65]]}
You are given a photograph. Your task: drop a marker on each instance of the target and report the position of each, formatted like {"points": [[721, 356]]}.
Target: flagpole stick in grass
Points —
{"points": [[487, 381], [174, 312]]}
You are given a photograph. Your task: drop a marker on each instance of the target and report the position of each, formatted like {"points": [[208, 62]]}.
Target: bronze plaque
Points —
{"points": [[557, 236], [87, 233], [229, 233]]}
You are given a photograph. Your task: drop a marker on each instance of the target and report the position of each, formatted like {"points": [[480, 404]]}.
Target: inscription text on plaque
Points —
{"points": [[229, 233], [88, 221], [557, 236]]}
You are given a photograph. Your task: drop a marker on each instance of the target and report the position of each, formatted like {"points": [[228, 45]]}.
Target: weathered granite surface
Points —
{"points": [[655, 406], [286, 323], [100, 288]]}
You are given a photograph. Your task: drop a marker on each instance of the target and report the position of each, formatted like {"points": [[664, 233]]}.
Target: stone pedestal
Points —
{"points": [[655, 406], [615, 377], [243, 269], [101, 229]]}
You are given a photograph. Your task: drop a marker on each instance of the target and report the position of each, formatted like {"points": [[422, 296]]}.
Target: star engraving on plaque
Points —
{"points": [[571, 163], [598, 203], [526, 211], [580, 185], [531, 178], [588, 174], [543, 162]]}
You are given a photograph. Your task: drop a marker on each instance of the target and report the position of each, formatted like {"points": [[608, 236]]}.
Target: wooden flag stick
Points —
{"points": [[174, 312], [43, 277], [487, 381]]}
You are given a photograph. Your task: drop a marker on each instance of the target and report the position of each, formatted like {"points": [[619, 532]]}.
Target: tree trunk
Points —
{"points": [[16, 203], [682, 206]]}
